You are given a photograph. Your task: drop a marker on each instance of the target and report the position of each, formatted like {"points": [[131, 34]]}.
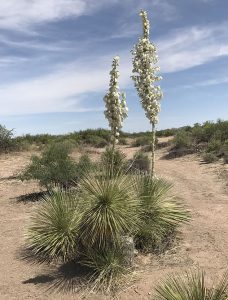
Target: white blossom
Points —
{"points": [[115, 102], [145, 69]]}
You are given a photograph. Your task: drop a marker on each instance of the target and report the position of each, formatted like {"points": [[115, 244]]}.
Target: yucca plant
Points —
{"points": [[113, 162], [109, 269], [112, 210], [54, 227], [191, 286], [159, 213]]}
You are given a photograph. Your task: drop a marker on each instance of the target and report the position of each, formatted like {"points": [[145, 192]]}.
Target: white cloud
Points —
{"points": [[194, 46], [60, 91], [21, 14], [35, 45], [206, 83]]}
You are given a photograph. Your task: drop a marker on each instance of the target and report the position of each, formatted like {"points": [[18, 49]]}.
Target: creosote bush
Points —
{"points": [[209, 137], [5, 139], [191, 286], [210, 157], [141, 141], [55, 167], [140, 162]]}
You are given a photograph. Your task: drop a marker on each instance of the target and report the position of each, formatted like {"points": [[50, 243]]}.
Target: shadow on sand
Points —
{"points": [[31, 197], [67, 278]]}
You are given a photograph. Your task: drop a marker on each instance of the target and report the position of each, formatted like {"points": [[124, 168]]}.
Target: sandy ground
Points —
{"points": [[202, 243]]}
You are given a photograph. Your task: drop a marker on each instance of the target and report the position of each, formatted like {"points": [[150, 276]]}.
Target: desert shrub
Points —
{"points": [[160, 214], [166, 132], [54, 167], [54, 228], [191, 286], [225, 152], [141, 141], [6, 141], [123, 141], [95, 137], [214, 145], [95, 141], [140, 162], [117, 159], [183, 139], [210, 157]]}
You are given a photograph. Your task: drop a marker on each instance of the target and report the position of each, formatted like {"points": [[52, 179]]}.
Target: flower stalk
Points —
{"points": [[115, 104], [145, 77]]}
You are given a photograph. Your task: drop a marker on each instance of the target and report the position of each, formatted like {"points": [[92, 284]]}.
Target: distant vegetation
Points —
{"points": [[210, 139]]}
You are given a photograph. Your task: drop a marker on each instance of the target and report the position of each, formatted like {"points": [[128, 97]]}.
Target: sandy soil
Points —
{"points": [[203, 242]]}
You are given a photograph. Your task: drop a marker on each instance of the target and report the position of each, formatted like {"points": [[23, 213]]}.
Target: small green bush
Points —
{"points": [[141, 141], [123, 141], [225, 152], [210, 157], [54, 167], [6, 139], [183, 139], [95, 141], [117, 160], [140, 162], [214, 145]]}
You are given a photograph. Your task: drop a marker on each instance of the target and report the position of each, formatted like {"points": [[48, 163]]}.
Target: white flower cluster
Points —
{"points": [[115, 102], [144, 65]]}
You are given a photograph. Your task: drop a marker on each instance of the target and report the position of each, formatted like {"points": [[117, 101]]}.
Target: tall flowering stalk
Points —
{"points": [[115, 104], [145, 76]]}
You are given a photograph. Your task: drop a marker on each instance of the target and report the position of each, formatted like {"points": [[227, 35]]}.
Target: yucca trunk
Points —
{"points": [[152, 168]]}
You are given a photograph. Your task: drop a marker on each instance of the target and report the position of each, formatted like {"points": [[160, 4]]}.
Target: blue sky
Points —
{"points": [[55, 57]]}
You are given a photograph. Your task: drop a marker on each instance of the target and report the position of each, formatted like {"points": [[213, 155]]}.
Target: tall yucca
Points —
{"points": [[54, 227], [191, 286], [160, 214], [112, 210]]}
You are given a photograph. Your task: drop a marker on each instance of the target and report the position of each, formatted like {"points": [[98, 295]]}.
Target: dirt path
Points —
{"points": [[203, 243]]}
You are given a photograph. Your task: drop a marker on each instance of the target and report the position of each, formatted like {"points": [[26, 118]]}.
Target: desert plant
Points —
{"points": [[182, 139], [6, 141], [214, 145], [140, 162], [54, 167], [144, 66], [96, 141], [141, 141], [225, 152], [115, 163], [160, 214], [108, 268], [191, 286], [115, 103], [123, 141], [54, 228], [209, 157], [112, 210]]}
